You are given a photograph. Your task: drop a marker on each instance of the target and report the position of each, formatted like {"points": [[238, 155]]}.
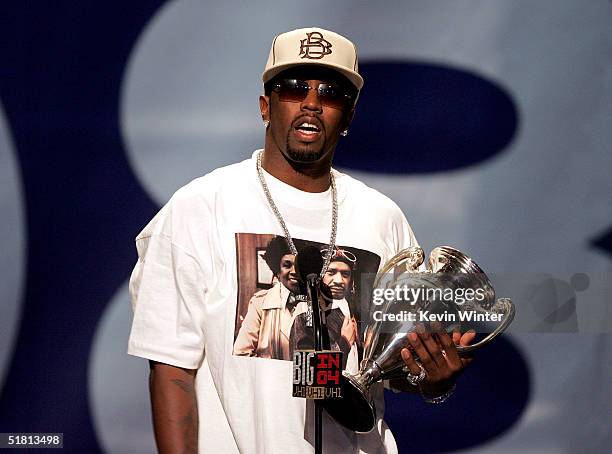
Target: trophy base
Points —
{"points": [[355, 410]]}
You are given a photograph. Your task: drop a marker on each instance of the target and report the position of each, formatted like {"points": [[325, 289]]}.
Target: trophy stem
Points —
{"points": [[370, 373]]}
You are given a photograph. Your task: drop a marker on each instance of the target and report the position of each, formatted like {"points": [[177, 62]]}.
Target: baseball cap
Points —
{"points": [[313, 46]]}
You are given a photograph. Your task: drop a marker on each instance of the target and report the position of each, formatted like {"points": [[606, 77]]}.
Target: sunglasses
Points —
{"points": [[340, 253], [330, 95]]}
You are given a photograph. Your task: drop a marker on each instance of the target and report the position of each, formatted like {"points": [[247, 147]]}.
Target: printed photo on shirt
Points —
{"points": [[272, 312]]}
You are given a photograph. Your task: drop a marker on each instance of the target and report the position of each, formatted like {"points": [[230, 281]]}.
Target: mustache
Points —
{"points": [[310, 117]]}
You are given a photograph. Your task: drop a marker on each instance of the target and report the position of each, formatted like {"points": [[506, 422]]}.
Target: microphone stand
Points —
{"points": [[321, 339]]}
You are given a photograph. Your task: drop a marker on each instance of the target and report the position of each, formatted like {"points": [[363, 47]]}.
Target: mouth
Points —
{"points": [[291, 280], [307, 129], [337, 292]]}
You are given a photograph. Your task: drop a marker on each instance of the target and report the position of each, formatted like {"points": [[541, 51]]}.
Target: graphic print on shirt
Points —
{"points": [[271, 311]]}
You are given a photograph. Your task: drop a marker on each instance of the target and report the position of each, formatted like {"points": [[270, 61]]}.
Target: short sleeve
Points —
{"points": [[407, 238], [403, 236], [167, 292], [168, 286]]}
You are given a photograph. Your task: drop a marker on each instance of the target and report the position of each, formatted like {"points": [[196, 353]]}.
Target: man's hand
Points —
{"points": [[349, 330], [175, 412], [438, 356], [442, 369]]}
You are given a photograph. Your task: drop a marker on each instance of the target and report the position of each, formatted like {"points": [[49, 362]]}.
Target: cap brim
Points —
{"points": [[352, 76]]}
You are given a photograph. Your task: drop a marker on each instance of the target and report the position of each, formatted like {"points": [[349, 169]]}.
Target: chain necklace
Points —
{"points": [[281, 221]]}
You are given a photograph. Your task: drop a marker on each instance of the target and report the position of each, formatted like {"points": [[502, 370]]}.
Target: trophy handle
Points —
{"points": [[415, 254], [503, 305]]}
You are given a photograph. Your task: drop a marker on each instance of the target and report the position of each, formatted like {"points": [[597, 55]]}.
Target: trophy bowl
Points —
{"points": [[404, 297]]}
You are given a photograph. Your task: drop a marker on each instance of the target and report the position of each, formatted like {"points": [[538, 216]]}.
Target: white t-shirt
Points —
{"points": [[184, 293]]}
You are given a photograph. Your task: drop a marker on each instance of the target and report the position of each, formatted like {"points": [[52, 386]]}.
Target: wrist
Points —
{"points": [[435, 389], [438, 393]]}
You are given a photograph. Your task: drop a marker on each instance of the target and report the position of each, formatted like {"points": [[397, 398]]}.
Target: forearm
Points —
{"points": [[175, 412]]}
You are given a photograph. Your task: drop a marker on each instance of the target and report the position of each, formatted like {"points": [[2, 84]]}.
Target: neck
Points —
{"points": [[311, 177]]}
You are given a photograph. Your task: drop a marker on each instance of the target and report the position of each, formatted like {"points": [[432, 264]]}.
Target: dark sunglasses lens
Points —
{"points": [[292, 90], [332, 96]]}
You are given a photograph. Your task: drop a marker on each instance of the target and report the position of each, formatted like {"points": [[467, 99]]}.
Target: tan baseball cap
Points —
{"points": [[313, 46]]}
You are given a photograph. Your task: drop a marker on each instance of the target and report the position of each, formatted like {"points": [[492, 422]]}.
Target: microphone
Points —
{"points": [[308, 264], [316, 374]]}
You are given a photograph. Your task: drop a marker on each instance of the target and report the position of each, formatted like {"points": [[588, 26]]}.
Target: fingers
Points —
{"points": [[410, 362], [437, 352], [421, 350], [349, 330], [456, 336], [346, 322], [450, 350], [467, 338], [430, 339]]}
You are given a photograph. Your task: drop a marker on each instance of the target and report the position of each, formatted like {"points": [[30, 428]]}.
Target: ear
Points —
{"points": [[264, 107]]}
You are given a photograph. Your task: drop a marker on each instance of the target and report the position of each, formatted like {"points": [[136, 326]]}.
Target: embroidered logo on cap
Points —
{"points": [[314, 46]]}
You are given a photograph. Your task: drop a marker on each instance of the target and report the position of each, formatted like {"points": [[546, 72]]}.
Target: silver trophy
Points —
{"points": [[434, 297]]}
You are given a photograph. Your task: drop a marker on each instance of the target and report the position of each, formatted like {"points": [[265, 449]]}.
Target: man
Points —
{"points": [[338, 284], [184, 286], [342, 325], [267, 325]]}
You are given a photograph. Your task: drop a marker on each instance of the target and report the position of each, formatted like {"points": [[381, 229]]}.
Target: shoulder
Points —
{"points": [[357, 192], [205, 192], [261, 300], [375, 210], [259, 295], [207, 186], [192, 205]]}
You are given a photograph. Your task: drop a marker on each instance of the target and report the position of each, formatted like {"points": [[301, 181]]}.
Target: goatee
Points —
{"points": [[298, 155], [303, 155]]}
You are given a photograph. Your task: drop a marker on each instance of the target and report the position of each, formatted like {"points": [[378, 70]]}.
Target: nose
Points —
{"points": [[337, 279], [312, 101]]}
